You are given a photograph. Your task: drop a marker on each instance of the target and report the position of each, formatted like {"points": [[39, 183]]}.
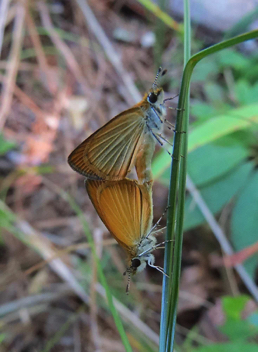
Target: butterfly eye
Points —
{"points": [[152, 98], [135, 263]]}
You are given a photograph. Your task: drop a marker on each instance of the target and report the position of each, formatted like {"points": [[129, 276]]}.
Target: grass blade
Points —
{"points": [[175, 215]]}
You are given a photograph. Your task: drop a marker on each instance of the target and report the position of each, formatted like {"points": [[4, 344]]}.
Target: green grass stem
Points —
{"points": [[175, 215]]}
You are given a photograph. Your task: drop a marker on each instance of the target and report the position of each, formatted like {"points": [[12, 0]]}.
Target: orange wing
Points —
{"points": [[109, 153], [125, 207]]}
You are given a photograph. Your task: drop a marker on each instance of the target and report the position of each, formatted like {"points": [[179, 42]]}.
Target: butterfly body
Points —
{"points": [[126, 141]]}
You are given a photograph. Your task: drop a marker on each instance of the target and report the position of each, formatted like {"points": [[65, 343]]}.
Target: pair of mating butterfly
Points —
{"points": [[105, 159]]}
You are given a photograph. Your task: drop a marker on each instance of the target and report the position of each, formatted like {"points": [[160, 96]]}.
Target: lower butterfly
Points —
{"points": [[125, 207], [126, 141]]}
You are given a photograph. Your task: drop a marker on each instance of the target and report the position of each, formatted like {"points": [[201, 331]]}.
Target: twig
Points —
{"points": [[13, 63], [4, 5], [29, 301], [10, 15], [220, 236], [241, 256], [62, 47], [27, 101], [23, 66], [62, 252], [134, 95], [40, 53], [42, 246]]}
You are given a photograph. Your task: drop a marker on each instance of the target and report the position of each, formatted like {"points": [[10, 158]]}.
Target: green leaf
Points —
{"points": [[5, 145], [232, 59], [251, 73], [243, 91], [234, 306], [215, 159], [238, 330], [247, 138], [253, 93], [235, 327], [224, 124], [244, 221], [228, 347], [217, 194]]}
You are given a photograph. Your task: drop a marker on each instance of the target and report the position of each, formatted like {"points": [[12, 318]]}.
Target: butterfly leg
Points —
{"points": [[151, 264], [160, 143], [164, 139], [170, 126], [161, 243], [157, 223], [177, 109], [171, 98]]}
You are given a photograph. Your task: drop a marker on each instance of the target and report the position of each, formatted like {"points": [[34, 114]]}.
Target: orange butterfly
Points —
{"points": [[125, 207], [125, 141]]}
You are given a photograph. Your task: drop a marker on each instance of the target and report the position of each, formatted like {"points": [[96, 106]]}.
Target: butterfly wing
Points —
{"points": [[125, 207], [109, 153]]}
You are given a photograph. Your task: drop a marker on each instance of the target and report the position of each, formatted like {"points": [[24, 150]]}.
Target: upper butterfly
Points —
{"points": [[125, 141]]}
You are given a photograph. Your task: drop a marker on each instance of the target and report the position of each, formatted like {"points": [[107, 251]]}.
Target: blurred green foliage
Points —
{"points": [[241, 332], [5, 145]]}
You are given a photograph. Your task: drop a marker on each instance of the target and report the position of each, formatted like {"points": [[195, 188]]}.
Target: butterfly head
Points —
{"points": [[155, 97], [142, 258], [138, 264]]}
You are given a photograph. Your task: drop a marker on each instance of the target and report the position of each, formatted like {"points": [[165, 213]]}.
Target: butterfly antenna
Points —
{"points": [[128, 283], [156, 78]]}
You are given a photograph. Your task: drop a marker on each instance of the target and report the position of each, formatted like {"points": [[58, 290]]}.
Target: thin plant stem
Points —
{"points": [[175, 215], [163, 16], [176, 270]]}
